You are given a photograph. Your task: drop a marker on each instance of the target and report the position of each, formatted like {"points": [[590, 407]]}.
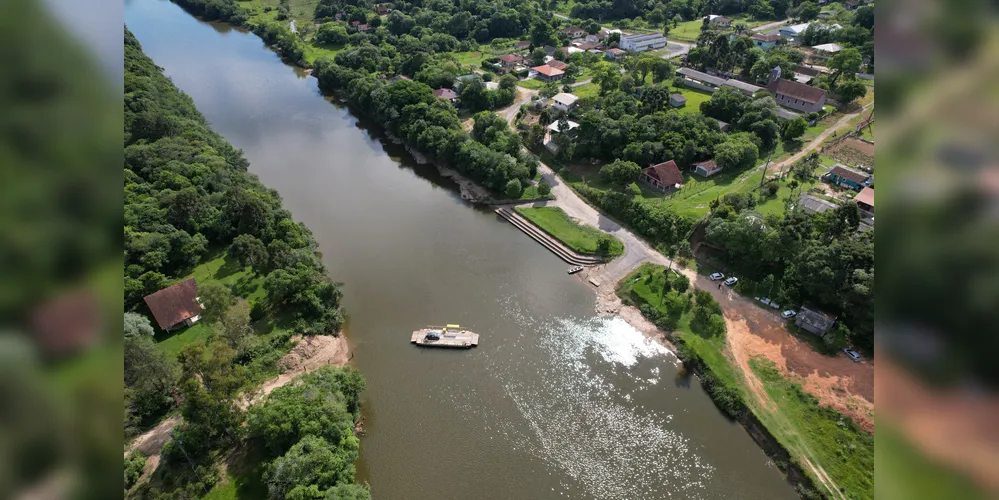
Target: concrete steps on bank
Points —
{"points": [[546, 240]]}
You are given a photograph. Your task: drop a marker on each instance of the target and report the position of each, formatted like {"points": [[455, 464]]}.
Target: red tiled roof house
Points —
{"points": [[176, 306], [547, 73], [664, 176]]}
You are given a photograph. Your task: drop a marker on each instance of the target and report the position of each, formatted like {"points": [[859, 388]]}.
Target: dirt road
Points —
{"points": [[313, 352], [815, 143]]}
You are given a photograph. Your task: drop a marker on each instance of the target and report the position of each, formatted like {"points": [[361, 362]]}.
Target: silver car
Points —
{"points": [[788, 314], [716, 276], [854, 355]]}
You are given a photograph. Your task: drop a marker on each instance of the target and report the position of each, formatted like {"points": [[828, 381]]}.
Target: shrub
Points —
{"points": [[513, 189], [544, 189], [135, 462]]}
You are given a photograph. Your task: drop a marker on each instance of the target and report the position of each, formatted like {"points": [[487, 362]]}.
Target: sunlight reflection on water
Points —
{"points": [[581, 420]]}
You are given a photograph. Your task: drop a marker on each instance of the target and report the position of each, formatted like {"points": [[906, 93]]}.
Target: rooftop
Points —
{"points": [[828, 47], [555, 63], [175, 303], [548, 70], [814, 204], [765, 38], [709, 166], [446, 93], [748, 87], [667, 173], [865, 196], [565, 99], [693, 74], [797, 90], [816, 319], [797, 28], [641, 37], [554, 125], [848, 173]]}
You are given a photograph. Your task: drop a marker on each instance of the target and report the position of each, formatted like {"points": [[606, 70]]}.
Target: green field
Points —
{"points": [[829, 439], [686, 31], [531, 83], [587, 90], [581, 238], [694, 100]]}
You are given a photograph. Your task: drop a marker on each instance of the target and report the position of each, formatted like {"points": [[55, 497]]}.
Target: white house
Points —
{"points": [[553, 130], [826, 49], [793, 32], [564, 102], [641, 43]]}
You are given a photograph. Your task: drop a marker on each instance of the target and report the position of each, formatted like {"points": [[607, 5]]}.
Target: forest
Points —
{"points": [[187, 192]]}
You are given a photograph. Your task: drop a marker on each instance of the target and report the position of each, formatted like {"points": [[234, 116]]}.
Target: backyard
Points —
{"points": [[581, 238]]}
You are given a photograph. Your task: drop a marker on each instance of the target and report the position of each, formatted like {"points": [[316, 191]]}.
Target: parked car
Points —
{"points": [[854, 355], [716, 276], [774, 305], [764, 300], [731, 281], [788, 314]]}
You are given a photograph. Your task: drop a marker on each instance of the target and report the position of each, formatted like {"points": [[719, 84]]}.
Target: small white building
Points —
{"points": [[554, 130], [641, 43], [564, 102], [827, 49]]}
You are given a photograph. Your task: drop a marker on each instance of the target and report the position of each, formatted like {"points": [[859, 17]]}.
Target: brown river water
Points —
{"points": [[554, 403]]}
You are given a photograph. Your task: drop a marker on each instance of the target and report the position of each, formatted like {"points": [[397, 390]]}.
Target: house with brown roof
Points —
{"points": [[614, 53], [448, 94], [865, 199], [573, 32], [705, 168], [511, 60], [547, 73], [555, 63], [795, 95], [843, 176], [176, 306], [664, 176], [764, 41], [589, 45]]}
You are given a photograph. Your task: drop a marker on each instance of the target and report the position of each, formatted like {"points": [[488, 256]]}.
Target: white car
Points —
{"points": [[731, 281], [774, 305], [765, 300], [788, 314], [716, 276], [854, 355]]}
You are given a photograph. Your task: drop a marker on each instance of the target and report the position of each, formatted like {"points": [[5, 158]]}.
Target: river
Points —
{"points": [[554, 403]]}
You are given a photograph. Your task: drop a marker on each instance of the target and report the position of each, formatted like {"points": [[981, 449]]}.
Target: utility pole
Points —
{"points": [[765, 169], [180, 444]]}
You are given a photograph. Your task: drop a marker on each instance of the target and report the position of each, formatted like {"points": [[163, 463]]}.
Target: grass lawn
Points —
{"points": [[579, 237], [587, 90], [710, 349], [531, 83], [843, 450], [686, 31], [694, 100], [218, 266]]}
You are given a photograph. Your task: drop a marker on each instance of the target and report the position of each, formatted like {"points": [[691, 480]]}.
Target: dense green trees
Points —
{"points": [[620, 172], [818, 259], [150, 378], [308, 427], [186, 189]]}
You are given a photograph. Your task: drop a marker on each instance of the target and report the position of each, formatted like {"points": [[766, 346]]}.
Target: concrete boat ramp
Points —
{"points": [[450, 336]]}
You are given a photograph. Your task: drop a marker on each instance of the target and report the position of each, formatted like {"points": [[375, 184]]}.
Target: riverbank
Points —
{"points": [[805, 439]]}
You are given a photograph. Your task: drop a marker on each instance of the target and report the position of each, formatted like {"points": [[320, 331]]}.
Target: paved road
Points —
{"points": [[769, 26]]}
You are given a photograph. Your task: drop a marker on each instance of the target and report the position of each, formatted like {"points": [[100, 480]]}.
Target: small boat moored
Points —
{"points": [[445, 336], [575, 269]]}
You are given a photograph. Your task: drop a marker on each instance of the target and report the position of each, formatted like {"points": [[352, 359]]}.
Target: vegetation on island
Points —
{"points": [[192, 210], [579, 237]]}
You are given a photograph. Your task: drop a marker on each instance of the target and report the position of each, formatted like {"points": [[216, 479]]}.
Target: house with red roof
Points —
{"points": [[705, 168], [547, 73], [176, 306], [663, 176]]}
